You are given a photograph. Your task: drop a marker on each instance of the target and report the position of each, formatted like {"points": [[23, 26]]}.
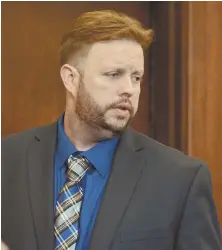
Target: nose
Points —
{"points": [[126, 87]]}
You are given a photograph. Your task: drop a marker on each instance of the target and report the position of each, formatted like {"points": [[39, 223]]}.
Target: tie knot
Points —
{"points": [[77, 168]]}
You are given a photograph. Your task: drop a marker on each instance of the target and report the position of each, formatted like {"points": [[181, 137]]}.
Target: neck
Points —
{"points": [[82, 135]]}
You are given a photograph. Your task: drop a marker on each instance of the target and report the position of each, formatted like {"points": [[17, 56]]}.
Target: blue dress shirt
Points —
{"points": [[93, 184]]}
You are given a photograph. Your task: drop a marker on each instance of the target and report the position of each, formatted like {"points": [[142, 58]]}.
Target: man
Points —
{"points": [[88, 181]]}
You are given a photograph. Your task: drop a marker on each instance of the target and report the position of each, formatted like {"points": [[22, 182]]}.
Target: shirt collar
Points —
{"points": [[64, 146], [100, 155]]}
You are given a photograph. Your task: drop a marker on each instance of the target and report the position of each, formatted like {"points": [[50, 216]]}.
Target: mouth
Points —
{"points": [[123, 111], [124, 107]]}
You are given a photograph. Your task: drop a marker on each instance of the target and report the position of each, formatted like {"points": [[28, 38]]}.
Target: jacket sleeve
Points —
{"points": [[199, 228]]}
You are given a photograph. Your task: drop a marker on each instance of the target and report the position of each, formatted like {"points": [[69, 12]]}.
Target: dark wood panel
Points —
{"points": [[167, 70], [159, 72], [32, 92]]}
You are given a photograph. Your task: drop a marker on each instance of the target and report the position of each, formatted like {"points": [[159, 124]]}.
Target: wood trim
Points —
{"points": [[184, 75], [196, 77], [171, 83]]}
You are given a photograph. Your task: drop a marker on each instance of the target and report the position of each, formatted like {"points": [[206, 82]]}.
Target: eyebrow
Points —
{"points": [[140, 72], [121, 70]]}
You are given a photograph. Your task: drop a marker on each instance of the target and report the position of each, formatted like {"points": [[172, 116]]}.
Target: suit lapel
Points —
{"points": [[123, 178], [40, 181]]}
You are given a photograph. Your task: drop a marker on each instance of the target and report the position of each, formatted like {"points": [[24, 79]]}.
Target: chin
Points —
{"points": [[118, 127], [114, 125], [108, 130]]}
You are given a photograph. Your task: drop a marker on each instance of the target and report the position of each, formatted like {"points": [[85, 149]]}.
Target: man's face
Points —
{"points": [[108, 94]]}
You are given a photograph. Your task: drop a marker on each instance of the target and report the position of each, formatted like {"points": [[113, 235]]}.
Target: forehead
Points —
{"points": [[116, 53]]}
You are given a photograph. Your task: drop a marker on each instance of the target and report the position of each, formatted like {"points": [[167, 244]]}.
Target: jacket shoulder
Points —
{"points": [[171, 166], [20, 140], [166, 154]]}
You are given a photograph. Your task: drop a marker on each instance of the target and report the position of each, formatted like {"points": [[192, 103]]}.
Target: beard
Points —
{"points": [[96, 116]]}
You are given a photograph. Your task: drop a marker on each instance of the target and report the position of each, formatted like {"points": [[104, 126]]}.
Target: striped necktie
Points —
{"points": [[68, 205]]}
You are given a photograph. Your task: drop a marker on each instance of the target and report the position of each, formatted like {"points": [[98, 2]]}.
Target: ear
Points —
{"points": [[70, 77]]}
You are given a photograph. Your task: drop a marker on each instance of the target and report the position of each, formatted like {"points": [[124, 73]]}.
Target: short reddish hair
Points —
{"points": [[99, 26]]}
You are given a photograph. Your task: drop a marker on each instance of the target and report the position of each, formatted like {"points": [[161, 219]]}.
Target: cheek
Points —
{"points": [[101, 92], [135, 97]]}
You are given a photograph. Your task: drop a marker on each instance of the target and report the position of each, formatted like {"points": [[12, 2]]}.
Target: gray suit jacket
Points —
{"points": [[156, 197]]}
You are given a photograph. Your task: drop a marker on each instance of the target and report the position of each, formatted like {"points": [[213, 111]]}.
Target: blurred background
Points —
{"points": [[181, 98]]}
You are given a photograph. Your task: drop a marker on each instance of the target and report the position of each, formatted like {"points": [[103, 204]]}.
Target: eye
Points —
{"points": [[113, 75], [136, 78]]}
